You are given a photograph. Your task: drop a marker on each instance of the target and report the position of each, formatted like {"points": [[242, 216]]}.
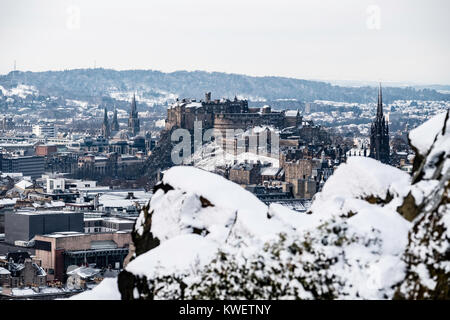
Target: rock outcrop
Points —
{"points": [[427, 205]]}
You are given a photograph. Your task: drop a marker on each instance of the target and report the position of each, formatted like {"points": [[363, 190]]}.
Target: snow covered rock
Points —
{"points": [[427, 255], [204, 237]]}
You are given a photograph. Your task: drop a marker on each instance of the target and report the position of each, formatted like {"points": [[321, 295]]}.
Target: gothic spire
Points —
{"points": [[115, 123], [133, 120], [133, 104], [380, 103], [105, 117], [106, 130]]}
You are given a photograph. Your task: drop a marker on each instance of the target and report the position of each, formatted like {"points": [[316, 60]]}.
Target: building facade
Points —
{"points": [[32, 166], [56, 252], [23, 226]]}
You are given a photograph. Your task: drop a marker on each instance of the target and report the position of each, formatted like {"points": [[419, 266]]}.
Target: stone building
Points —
{"points": [[300, 169], [57, 251], [245, 173], [22, 272], [226, 114]]}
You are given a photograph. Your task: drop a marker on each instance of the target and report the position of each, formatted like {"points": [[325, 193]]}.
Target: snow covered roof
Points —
{"points": [[269, 171], [84, 272], [194, 105], [23, 184], [4, 271], [291, 113]]}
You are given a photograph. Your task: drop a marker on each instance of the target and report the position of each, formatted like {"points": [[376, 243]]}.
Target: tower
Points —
{"points": [[379, 134], [106, 130], [115, 123], [133, 120]]}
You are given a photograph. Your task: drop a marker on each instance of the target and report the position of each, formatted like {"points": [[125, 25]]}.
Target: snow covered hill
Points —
{"points": [[374, 232]]}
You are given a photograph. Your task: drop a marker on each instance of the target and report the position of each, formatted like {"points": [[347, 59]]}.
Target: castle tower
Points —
{"points": [[115, 124], [106, 130], [133, 120], [379, 134]]}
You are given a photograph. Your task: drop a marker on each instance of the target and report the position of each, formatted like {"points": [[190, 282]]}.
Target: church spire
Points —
{"points": [[379, 134], [380, 103], [105, 116], [133, 120], [133, 104], [115, 122], [106, 130]]}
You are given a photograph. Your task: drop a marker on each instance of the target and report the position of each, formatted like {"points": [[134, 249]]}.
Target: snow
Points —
{"points": [[373, 268], [21, 90], [117, 199], [213, 187], [84, 272], [362, 177], [105, 290], [269, 171], [23, 184], [4, 271], [22, 292], [291, 113], [5, 202], [212, 155], [423, 136], [168, 258], [160, 123]]}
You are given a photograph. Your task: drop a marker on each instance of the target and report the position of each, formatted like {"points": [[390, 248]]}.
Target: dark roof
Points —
{"points": [[18, 256]]}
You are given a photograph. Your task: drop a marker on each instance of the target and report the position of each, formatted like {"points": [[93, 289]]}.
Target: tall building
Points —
{"points": [[106, 130], [44, 130], [133, 120], [379, 134], [115, 123], [24, 225], [32, 166]]}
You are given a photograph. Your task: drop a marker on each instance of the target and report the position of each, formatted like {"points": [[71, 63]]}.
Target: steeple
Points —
{"points": [[379, 134], [106, 131], [380, 103], [133, 104], [115, 123], [105, 116], [133, 120]]}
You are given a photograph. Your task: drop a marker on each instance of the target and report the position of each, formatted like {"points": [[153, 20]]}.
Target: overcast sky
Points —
{"points": [[392, 40]]}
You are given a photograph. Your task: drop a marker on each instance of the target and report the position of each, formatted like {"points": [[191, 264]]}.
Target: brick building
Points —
{"points": [[45, 149], [57, 251]]}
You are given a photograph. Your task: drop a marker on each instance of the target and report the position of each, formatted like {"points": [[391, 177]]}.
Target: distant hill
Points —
{"points": [[86, 84]]}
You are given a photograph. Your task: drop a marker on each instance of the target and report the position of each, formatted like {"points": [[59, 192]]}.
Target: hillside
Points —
{"points": [[91, 84]]}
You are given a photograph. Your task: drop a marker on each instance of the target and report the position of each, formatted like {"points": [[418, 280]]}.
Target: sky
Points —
{"points": [[365, 40]]}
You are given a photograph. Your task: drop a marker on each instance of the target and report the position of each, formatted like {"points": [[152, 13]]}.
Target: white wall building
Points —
{"points": [[44, 130]]}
